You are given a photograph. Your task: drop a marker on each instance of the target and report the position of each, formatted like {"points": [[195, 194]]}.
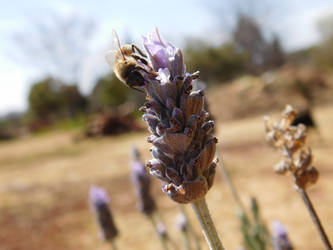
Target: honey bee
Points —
{"points": [[129, 63]]}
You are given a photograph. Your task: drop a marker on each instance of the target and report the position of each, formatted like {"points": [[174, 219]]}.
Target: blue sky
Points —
{"points": [[294, 20]]}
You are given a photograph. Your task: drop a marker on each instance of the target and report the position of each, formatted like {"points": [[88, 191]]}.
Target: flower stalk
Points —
{"points": [[315, 218], [113, 245], [189, 227], [207, 225], [232, 188], [160, 231]]}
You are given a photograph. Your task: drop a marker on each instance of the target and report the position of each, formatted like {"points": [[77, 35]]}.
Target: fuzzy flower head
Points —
{"points": [[100, 204]]}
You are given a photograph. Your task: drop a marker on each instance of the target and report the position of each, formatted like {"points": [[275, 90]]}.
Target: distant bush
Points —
{"points": [[50, 99], [215, 63], [323, 54], [110, 92]]}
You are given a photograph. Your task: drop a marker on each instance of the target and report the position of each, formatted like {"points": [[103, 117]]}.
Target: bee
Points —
{"points": [[129, 63]]}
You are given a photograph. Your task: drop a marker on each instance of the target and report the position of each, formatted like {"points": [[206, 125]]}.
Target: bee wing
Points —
{"points": [[110, 58], [111, 54], [115, 41]]}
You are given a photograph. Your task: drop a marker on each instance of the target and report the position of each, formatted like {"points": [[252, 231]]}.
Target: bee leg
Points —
{"points": [[151, 70], [138, 50], [140, 90], [140, 58]]}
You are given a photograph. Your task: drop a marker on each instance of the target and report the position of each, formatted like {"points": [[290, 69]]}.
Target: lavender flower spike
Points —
{"points": [[100, 204], [183, 144], [141, 181], [280, 237]]}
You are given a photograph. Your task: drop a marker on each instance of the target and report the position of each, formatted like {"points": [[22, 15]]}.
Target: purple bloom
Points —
{"points": [[280, 237], [100, 204], [163, 55], [98, 195]]}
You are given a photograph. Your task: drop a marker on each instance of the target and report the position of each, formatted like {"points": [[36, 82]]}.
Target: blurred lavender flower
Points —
{"points": [[100, 204], [183, 143], [161, 230], [182, 223], [280, 238], [141, 181]]}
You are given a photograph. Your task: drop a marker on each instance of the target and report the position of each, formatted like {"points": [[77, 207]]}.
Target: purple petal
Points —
{"points": [[98, 195], [160, 53]]}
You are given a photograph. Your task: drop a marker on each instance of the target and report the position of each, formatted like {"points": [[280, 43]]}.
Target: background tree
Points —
{"points": [[56, 44], [110, 92], [51, 99], [323, 54], [216, 63], [248, 38]]}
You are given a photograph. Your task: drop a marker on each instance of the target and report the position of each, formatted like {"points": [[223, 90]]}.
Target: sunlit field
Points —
{"points": [[45, 179]]}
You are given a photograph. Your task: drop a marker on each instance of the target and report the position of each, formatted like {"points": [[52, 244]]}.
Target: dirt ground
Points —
{"points": [[44, 184]]}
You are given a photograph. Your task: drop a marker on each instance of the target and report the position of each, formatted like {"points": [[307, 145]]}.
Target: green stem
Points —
{"points": [[158, 218], [113, 245], [207, 225], [190, 227], [186, 239], [232, 188], [160, 237]]}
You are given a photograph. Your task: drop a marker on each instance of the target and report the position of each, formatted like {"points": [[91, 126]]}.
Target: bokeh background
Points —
{"points": [[66, 122]]}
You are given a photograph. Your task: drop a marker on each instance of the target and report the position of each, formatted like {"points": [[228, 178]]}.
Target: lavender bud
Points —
{"points": [[280, 240], [100, 204], [141, 182]]}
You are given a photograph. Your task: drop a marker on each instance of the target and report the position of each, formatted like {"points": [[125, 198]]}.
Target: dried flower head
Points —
{"points": [[100, 204], [280, 239], [182, 135], [141, 181], [291, 140]]}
